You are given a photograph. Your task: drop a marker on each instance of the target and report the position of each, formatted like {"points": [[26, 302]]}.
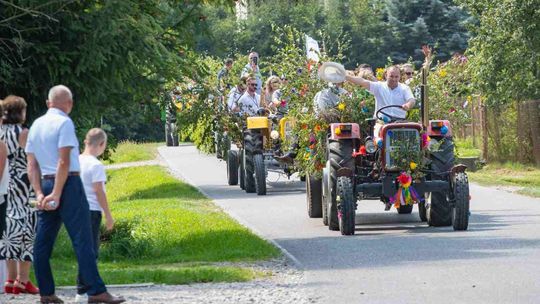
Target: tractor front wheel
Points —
{"points": [[346, 205], [314, 196], [460, 214], [232, 167], [260, 174], [405, 209]]}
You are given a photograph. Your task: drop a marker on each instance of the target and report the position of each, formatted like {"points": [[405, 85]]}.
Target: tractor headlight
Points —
{"points": [[274, 134], [370, 146]]}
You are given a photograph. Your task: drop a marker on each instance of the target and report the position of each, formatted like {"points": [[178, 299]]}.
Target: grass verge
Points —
{"points": [[166, 232], [465, 148], [129, 151], [525, 178]]}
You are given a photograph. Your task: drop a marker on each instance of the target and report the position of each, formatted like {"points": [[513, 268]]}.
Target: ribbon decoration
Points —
{"points": [[406, 194]]}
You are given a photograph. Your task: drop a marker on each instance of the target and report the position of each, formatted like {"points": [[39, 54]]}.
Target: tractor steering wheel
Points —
{"points": [[392, 118]]}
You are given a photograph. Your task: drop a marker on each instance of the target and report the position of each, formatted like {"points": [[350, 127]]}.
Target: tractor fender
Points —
{"points": [[344, 131], [438, 128], [457, 169]]}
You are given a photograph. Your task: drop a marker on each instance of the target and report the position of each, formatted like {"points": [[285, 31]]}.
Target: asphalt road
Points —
{"points": [[392, 258]]}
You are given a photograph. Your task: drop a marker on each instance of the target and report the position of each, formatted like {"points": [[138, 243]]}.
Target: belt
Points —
{"points": [[53, 176]]}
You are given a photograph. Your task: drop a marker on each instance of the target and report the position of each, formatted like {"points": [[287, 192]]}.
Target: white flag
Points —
{"points": [[312, 49]]}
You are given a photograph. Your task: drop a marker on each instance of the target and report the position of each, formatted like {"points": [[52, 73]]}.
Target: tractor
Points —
{"points": [[262, 143], [360, 167]]}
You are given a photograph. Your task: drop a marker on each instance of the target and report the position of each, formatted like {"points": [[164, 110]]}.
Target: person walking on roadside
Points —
{"points": [[252, 68], [53, 169], [94, 177], [17, 245]]}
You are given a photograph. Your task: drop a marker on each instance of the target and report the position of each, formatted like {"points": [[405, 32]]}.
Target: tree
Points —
{"points": [[505, 63], [110, 53], [413, 23]]}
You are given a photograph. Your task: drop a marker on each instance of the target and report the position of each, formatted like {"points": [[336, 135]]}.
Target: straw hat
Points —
{"points": [[332, 72]]}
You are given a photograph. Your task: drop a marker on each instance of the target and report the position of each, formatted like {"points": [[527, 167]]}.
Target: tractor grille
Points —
{"points": [[400, 144]]}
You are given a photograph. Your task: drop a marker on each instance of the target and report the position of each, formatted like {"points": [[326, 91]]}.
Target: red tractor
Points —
{"points": [[360, 167]]}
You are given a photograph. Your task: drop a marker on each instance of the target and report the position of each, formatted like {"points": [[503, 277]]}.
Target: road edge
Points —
{"points": [[179, 175]]}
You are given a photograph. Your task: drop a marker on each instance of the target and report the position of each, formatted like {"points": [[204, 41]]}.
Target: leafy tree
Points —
{"points": [[110, 53]]}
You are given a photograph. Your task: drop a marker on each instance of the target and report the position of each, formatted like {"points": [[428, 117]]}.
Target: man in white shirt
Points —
{"points": [[53, 169], [391, 92], [249, 103]]}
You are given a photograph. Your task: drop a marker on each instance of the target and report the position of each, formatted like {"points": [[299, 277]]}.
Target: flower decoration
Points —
{"points": [[341, 106], [406, 194], [425, 140], [444, 130], [443, 73], [283, 103], [413, 165], [380, 73]]}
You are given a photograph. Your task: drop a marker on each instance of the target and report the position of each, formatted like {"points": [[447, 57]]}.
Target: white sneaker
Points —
{"points": [[81, 298]]}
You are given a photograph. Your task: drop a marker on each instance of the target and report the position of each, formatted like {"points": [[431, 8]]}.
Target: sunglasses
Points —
{"points": [[409, 73], [252, 84]]}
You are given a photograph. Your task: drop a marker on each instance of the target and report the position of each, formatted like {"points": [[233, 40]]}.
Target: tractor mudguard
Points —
{"points": [[257, 122], [344, 131], [460, 168]]}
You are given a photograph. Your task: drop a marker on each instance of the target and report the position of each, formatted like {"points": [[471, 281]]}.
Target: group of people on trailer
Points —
{"points": [[248, 95]]}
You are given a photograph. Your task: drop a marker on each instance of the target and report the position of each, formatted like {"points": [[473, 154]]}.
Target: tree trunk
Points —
{"points": [[522, 132], [533, 109], [497, 135], [484, 124]]}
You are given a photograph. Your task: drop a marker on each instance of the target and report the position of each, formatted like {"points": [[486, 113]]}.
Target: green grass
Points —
{"points": [[129, 151], [465, 148], [526, 178], [166, 232]]}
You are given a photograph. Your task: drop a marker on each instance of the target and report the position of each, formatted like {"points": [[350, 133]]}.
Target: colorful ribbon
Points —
{"points": [[406, 194]]}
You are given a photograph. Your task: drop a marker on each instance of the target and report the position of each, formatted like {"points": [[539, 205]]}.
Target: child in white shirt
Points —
{"points": [[93, 177]]}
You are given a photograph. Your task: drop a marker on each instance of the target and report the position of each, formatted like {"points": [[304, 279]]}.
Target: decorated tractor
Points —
{"points": [[263, 138], [405, 164]]}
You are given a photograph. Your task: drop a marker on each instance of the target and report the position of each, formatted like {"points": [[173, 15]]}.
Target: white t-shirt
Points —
{"points": [[234, 96], [249, 104], [384, 96], [92, 171]]}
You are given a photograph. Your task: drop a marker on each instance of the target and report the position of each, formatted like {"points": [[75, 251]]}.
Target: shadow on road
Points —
{"points": [[385, 242]]}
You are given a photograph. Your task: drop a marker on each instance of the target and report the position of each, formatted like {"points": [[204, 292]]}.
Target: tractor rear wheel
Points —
{"points": [[346, 205], [460, 214], [260, 174], [232, 167], [439, 211], [314, 196]]}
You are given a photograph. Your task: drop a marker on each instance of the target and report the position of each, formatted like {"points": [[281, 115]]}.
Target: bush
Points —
{"points": [[126, 240]]}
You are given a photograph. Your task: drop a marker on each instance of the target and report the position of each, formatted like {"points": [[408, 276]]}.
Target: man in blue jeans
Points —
{"points": [[53, 168]]}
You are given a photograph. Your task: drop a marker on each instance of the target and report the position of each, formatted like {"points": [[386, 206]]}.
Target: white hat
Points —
{"points": [[332, 72]]}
